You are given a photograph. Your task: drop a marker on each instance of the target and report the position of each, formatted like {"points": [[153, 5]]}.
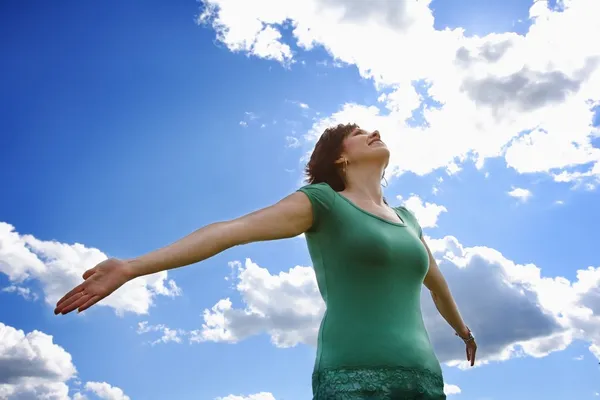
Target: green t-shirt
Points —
{"points": [[370, 273]]}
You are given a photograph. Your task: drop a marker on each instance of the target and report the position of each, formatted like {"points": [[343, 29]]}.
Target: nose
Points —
{"points": [[375, 135]]}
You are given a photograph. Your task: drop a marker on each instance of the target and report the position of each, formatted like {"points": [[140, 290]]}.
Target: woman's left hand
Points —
{"points": [[471, 350], [469, 340]]}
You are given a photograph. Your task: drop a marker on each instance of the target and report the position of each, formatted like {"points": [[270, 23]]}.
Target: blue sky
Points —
{"points": [[128, 125]]}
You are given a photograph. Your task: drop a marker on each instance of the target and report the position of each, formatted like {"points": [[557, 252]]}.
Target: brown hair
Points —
{"points": [[322, 167]]}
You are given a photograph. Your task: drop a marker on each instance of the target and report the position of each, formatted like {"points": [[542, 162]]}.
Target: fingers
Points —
{"points": [[471, 350], [68, 302], [89, 303], [469, 356], [66, 297], [78, 301], [76, 298]]}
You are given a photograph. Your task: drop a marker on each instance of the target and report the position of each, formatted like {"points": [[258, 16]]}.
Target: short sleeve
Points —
{"points": [[322, 197], [411, 220]]}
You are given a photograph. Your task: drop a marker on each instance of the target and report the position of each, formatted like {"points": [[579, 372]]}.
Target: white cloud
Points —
{"points": [[257, 396], [268, 45], [300, 104], [589, 180], [287, 306], [34, 391], [250, 117], [168, 335], [527, 98], [512, 308], [426, 213], [450, 390], [24, 292], [59, 267], [241, 33], [521, 194], [32, 366], [292, 142], [105, 391]]}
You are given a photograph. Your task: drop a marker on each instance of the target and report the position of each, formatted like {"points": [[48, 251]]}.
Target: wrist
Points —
{"points": [[464, 333], [131, 268]]}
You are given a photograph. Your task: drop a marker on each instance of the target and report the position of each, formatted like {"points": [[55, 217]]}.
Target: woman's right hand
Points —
{"points": [[99, 282]]}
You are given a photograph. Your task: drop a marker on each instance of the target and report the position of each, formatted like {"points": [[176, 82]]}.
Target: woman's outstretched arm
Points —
{"points": [[287, 218], [446, 306]]}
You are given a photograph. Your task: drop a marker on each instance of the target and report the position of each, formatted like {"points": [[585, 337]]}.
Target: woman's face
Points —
{"points": [[360, 146]]}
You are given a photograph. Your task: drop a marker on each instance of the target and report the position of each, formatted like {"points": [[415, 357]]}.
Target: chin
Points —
{"points": [[380, 155], [382, 152]]}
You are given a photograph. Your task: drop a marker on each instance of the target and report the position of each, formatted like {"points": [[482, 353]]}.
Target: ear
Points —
{"points": [[341, 160]]}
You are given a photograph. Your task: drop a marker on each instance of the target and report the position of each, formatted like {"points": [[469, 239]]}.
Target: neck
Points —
{"points": [[364, 181]]}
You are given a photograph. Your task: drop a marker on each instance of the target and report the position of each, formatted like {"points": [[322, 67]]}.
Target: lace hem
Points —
{"points": [[393, 383]]}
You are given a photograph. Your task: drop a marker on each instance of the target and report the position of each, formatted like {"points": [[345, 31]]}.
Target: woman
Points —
{"points": [[370, 261]]}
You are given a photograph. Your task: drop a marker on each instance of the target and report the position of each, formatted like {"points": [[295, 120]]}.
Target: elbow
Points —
{"points": [[232, 233], [222, 235], [440, 294]]}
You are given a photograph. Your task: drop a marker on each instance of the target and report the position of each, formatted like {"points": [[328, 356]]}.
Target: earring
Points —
{"points": [[345, 165]]}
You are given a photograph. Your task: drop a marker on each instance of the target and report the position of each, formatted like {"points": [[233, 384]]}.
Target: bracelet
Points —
{"points": [[469, 338]]}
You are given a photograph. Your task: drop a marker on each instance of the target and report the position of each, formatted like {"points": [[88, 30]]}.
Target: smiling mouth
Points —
{"points": [[375, 141]]}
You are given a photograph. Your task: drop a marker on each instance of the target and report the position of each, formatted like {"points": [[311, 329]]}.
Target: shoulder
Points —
{"points": [[323, 186], [321, 192], [322, 198], [405, 211]]}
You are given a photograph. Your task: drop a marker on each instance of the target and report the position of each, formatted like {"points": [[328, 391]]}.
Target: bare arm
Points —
{"points": [[287, 218], [444, 302], [442, 298]]}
